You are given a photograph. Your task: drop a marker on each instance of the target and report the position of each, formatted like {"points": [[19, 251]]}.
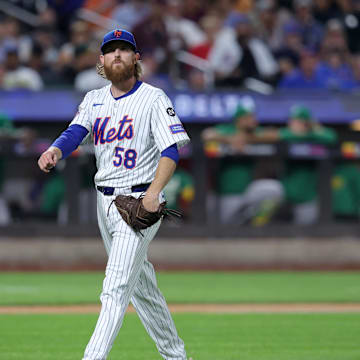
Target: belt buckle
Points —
{"points": [[108, 191]]}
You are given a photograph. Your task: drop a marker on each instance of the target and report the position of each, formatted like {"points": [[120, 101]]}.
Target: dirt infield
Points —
{"points": [[194, 308]]}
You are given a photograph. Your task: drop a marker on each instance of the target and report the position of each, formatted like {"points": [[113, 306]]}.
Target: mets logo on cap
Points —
{"points": [[117, 33]]}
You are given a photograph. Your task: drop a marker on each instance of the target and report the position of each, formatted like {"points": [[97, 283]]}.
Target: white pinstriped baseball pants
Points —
{"points": [[130, 277]]}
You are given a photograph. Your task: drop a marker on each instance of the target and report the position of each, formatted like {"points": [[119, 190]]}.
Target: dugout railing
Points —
{"points": [[199, 224]]}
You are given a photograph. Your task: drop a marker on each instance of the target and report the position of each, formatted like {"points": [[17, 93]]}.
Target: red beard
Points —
{"points": [[120, 73]]}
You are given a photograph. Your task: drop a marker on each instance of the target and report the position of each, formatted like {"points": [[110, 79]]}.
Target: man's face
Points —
{"points": [[246, 123], [308, 64], [299, 126], [303, 13], [12, 61], [119, 61]]}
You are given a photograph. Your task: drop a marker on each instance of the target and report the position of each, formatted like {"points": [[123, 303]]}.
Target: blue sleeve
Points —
{"points": [[171, 152], [70, 139]]}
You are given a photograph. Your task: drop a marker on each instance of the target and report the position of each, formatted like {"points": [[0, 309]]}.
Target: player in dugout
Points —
{"points": [[248, 191], [300, 178]]}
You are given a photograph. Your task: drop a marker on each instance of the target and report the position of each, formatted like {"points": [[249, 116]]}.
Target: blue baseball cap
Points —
{"points": [[119, 34]]}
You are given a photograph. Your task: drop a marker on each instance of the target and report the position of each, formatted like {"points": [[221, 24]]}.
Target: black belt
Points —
{"points": [[107, 190]]}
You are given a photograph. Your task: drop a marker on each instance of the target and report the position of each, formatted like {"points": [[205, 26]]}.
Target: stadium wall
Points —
{"points": [[227, 254]]}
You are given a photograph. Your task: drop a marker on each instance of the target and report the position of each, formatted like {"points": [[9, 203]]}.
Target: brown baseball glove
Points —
{"points": [[135, 215]]}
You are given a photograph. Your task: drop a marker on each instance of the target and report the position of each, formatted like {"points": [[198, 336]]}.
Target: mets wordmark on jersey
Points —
{"points": [[129, 132]]}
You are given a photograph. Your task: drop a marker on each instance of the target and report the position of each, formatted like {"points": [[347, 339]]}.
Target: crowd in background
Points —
{"points": [[187, 44]]}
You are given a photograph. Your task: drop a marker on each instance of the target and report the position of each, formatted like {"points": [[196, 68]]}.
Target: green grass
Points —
{"points": [[188, 287], [207, 337]]}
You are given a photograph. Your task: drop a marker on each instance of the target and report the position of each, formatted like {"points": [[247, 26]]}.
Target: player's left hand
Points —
{"points": [[151, 203]]}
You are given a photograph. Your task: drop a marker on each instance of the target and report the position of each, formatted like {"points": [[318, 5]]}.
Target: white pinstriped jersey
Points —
{"points": [[129, 132]]}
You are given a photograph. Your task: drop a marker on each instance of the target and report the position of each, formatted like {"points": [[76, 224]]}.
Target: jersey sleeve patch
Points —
{"points": [[176, 128], [170, 111]]}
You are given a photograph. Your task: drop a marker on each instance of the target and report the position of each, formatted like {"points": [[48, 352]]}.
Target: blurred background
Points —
{"points": [[268, 91]]}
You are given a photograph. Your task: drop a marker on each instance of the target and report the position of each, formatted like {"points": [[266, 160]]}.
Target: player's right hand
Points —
{"points": [[48, 160]]}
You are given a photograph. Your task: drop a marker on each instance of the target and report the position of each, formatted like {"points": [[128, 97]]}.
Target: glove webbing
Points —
{"points": [[166, 213]]}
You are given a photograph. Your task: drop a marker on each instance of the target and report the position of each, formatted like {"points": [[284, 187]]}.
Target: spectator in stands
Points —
{"points": [[334, 37], [82, 42], [86, 77], [128, 14], [243, 196], [151, 73], [45, 37], [37, 63], [196, 78], [18, 76], [2, 40], [288, 63], [351, 21], [66, 12], [300, 179], [210, 25], [80, 35], [355, 65], [12, 37], [48, 18], [292, 42], [271, 21], [152, 36], [335, 72], [312, 30], [289, 53], [335, 69], [183, 33], [195, 10], [324, 10], [2, 75], [48, 21], [237, 54], [307, 76]]}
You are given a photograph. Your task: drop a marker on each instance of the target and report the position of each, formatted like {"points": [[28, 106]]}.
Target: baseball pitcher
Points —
{"points": [[136, 135]]}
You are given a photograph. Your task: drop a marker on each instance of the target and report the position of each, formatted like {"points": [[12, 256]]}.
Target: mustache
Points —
{"points": [[117, 61]]}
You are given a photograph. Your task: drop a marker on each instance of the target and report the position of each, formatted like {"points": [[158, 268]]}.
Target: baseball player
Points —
{"points": [[136, 134]]}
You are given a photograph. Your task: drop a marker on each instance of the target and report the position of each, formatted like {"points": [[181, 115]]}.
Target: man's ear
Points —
{"points": [[101, 59], [137, 57]]}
